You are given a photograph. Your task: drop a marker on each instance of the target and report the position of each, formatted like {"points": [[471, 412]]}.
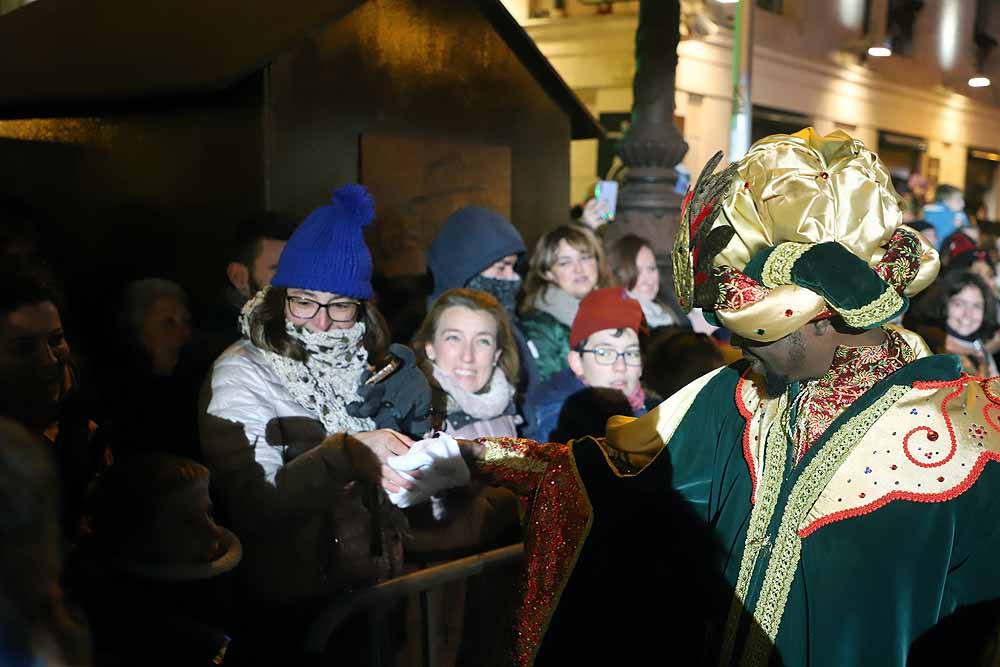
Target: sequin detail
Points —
{"points": [[854, 371], [558, 518]]}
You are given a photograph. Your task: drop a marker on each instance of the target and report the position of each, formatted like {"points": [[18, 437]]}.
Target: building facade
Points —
{"points": [[810, 67]]}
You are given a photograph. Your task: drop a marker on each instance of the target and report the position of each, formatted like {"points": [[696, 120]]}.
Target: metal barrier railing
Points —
{"points": [[378, 597]]}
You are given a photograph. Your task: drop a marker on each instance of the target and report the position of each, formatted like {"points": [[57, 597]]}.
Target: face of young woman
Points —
{"points": [[573, 271], [465, 346], [320, 311], [965, 310], [647, 282]]}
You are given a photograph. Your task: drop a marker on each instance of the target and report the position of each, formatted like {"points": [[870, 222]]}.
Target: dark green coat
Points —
{"points": [[549, 338]]}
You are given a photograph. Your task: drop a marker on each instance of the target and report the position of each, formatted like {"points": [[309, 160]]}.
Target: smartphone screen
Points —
{"points": [[607, 192]]}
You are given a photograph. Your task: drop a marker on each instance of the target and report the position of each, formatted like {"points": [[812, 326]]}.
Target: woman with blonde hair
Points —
{"points": [[568, 264], [467, 350]]}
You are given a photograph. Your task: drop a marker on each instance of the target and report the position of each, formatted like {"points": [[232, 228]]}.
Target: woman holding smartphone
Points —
{"points": [[295, 436]]}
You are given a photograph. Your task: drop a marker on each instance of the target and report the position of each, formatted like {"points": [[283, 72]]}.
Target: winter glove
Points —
{"points": [[401, 402], [441, 467]]}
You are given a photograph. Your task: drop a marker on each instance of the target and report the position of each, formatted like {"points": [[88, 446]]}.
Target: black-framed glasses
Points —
{"points": [[337, 311], [606, 356]]}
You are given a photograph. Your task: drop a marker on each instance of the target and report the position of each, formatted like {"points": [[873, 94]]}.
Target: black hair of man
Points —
{"points": [[266, 225]]}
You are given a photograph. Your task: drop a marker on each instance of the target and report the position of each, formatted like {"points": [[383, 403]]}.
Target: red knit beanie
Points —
{"points": [[608, 308]]}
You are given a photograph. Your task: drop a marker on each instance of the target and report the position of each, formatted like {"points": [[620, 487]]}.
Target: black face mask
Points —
{"points": [[504, 291]]}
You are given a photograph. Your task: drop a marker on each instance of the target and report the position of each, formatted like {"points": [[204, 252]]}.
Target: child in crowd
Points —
{"points": [[156, 591], [605, 352]]}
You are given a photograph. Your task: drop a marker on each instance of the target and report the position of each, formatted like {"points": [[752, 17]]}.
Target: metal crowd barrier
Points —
{"points": [[376, 598]]}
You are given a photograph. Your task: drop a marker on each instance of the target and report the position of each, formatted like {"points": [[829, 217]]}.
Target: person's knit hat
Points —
{"points": [[802, 228], [606, 308], [327, 253], [471, 239]]}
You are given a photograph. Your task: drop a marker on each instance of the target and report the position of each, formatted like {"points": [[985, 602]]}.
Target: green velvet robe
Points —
{"points": [[884, 528], [865, 586]]}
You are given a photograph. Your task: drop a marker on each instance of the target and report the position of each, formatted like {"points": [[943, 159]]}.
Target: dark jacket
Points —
{"points": [[549, 340], [563, 408]]}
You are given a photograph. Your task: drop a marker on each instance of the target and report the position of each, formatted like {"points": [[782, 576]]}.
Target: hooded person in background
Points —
{"points": [[479, 249]]}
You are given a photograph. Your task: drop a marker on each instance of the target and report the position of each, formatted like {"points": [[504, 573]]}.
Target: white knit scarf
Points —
{"points": [[486, 405], [331, 375]]}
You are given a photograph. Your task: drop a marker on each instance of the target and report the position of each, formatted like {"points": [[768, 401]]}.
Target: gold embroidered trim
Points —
{"points": [[760, 518], [879, 310], [777, 269], [496, 453], [787, 550]]}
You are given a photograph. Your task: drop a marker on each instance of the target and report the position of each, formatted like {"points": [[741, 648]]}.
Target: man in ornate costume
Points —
{"points": [[844, 472]]}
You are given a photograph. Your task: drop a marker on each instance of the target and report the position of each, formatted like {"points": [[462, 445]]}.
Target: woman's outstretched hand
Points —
{"points": [[385, 443]]}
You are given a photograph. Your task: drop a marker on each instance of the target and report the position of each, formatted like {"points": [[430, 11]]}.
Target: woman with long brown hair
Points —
{"points": [[568, 263]]}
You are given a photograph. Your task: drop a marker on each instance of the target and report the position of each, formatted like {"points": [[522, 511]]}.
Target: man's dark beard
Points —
{"points": [[775, 384], [254, 287]]}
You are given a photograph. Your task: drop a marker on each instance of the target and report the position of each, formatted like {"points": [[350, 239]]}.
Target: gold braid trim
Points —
{"points": [[497, 453], [777, 269], [787, 550], [879, 310], [760, 518]]}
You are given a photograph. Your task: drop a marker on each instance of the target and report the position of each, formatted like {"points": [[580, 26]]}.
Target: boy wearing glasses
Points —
{"points": [[605, 354]]}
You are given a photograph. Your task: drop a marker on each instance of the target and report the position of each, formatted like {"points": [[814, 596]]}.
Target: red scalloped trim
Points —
{"points": [[961, 380], [748, 415], [985, 384], [986, 416], [954, 492]]}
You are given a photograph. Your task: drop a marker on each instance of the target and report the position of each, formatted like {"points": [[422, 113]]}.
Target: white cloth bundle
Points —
{"points": [[441, 467]]}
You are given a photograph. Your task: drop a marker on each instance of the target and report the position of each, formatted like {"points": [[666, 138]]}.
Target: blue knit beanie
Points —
{"points": [[471, 239], [327, 253]]}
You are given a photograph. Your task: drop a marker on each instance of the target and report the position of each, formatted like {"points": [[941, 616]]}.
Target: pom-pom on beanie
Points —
{"points": [[327, 253]]}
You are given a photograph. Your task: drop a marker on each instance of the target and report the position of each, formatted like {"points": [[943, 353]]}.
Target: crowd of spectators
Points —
{"points": [[197, 493]]}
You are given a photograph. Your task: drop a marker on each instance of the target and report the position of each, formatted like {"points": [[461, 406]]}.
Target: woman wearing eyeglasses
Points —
{"points": [[602, 379], [305, 499]]}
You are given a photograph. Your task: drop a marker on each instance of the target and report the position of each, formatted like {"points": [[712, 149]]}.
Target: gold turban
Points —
{"points": [[792, 194]]}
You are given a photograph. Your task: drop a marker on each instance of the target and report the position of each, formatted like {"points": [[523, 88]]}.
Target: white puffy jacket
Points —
{"points": [[246, 389], [291, 501]]}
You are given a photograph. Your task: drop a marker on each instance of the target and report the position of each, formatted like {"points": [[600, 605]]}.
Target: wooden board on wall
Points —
{"points": [[417, 183]]}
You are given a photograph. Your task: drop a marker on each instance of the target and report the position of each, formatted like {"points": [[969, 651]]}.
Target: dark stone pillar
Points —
{"points": [[652, 146]]}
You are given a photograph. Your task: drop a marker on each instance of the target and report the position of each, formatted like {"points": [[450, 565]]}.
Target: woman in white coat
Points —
{"points": [[294, 436]]}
